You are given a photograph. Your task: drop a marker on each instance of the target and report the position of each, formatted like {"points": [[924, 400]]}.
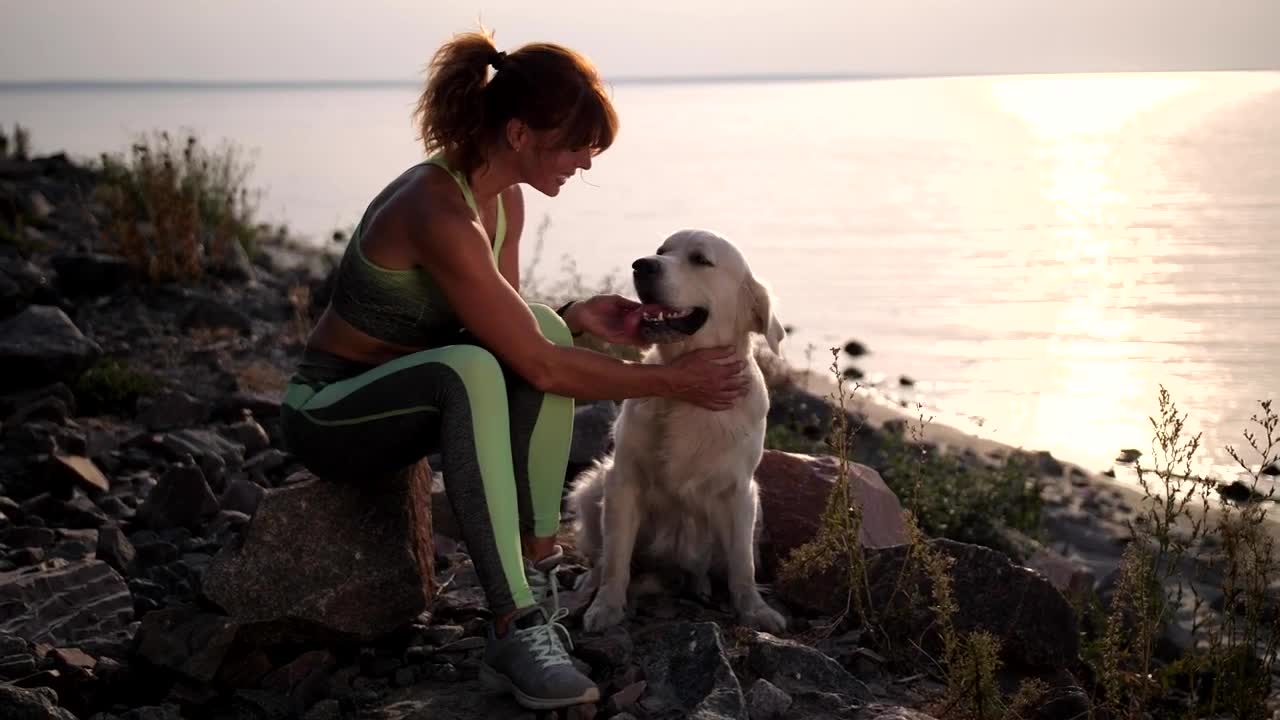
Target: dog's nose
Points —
{"points": [[645, 266]]}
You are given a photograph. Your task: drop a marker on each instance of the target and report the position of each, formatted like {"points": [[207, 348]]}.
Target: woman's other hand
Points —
{"points": [[612, 318]]}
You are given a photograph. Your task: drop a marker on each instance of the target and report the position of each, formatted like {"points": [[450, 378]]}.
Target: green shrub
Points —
{"points": [[112, 387]]}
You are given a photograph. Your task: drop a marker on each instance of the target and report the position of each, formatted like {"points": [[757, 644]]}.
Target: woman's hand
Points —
{"points": [[612, 318], [711, 378]]}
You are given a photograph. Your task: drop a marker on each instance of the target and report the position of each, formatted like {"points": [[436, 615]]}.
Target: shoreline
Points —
{"points": [[1085, 513]]}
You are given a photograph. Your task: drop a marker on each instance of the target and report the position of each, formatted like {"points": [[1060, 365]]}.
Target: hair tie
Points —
{"points": [[498, 59]]}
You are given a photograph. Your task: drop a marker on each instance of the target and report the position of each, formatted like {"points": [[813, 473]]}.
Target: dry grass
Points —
{"points": [[176, 209], [1188, 550]]}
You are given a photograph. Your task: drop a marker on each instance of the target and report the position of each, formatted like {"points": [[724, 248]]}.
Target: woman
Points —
{"points": [[428, 346]]}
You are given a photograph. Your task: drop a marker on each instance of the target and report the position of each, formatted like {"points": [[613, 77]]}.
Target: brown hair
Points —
{"points": [[545, 85]]}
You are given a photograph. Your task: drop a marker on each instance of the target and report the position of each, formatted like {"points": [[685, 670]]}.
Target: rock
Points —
{"points": [[213, 453], [65, 603], [74, 658], [853, 348], [1128, 455], [1272, 469], [1035, 624], [305, 680], [50, 409], [437, 635], [1071, 578], [90, 274], [209, 312], [75, 470], [876, 711], [793, 495], [21, 284], [1239, 492], [77, 513], [171, 410], [592, 428], [181, 498], [187, 641], [241, 496], [41, 345], [115, 549], [344, 557], [688, 673], [765, 701], [15, 666], [19, 407], [23, 535], [796, 668], [266, 461], [38, 704], [608, 649], [1043, 463], [248, 434]]}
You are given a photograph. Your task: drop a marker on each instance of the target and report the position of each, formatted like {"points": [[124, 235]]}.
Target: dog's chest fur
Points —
{"points": [[675, 465]]}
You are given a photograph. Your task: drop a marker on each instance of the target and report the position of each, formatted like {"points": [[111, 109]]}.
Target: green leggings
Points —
{"points": [[505, 444]]}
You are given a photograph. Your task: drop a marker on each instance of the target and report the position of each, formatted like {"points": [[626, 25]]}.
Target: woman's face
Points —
{"points": [[547, 164]]}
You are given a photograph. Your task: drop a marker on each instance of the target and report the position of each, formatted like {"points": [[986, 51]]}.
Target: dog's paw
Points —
{"points": [[602, 616], [763, 617]]}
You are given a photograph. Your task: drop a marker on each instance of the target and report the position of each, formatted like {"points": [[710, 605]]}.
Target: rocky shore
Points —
{"points": [[163, 556]]}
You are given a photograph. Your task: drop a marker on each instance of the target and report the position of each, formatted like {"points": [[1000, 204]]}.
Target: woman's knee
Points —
{"points": [[551, 324], [474, 365]]}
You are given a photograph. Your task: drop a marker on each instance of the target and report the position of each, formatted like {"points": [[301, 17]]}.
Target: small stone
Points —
{"points": [[249, 434], [76, 470], [437, 635], [181, 498], [115, 549], [765, 701], [74, 657]]}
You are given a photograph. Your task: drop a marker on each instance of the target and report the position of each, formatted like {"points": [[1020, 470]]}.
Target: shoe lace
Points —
{"points": [[546, 639]]}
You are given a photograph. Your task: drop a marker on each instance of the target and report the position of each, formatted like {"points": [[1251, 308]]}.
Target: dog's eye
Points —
{"points": [[700, 259]]}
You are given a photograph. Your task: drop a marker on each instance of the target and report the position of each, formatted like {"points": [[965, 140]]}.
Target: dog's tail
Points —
{"points": [[586, 501]]}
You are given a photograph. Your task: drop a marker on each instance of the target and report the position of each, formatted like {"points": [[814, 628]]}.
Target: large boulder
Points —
{"points": [[344, 559], [1034, 622], [794, 489], [41, 345]]}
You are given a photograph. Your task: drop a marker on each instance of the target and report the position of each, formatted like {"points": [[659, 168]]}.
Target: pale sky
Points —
{"points": [[315, 40]]}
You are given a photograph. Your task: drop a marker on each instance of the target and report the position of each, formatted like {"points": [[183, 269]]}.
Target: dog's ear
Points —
{"points": [[763, 319]]}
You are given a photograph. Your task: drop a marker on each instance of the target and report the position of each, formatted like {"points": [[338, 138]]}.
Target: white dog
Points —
{"points": [[679, 488]]}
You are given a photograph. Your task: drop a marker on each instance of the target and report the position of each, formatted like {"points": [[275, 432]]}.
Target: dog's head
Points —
{"points": [[699, 290]]}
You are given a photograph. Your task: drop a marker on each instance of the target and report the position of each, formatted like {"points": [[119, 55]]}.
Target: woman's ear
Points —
{"points": [[763, 319], [517, 134]]}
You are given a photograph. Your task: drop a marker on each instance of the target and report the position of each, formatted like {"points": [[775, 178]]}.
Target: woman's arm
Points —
{"points": [[456, 251]]}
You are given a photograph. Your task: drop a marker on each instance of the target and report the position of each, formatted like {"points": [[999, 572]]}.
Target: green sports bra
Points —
{"points": [[405, 307]]}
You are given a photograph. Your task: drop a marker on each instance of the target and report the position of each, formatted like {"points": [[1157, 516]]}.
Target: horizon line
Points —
{"points": [[280, 84]]}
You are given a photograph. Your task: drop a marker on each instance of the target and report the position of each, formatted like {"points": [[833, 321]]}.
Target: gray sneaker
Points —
{"points": [[532, 664], [531, 661]]}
